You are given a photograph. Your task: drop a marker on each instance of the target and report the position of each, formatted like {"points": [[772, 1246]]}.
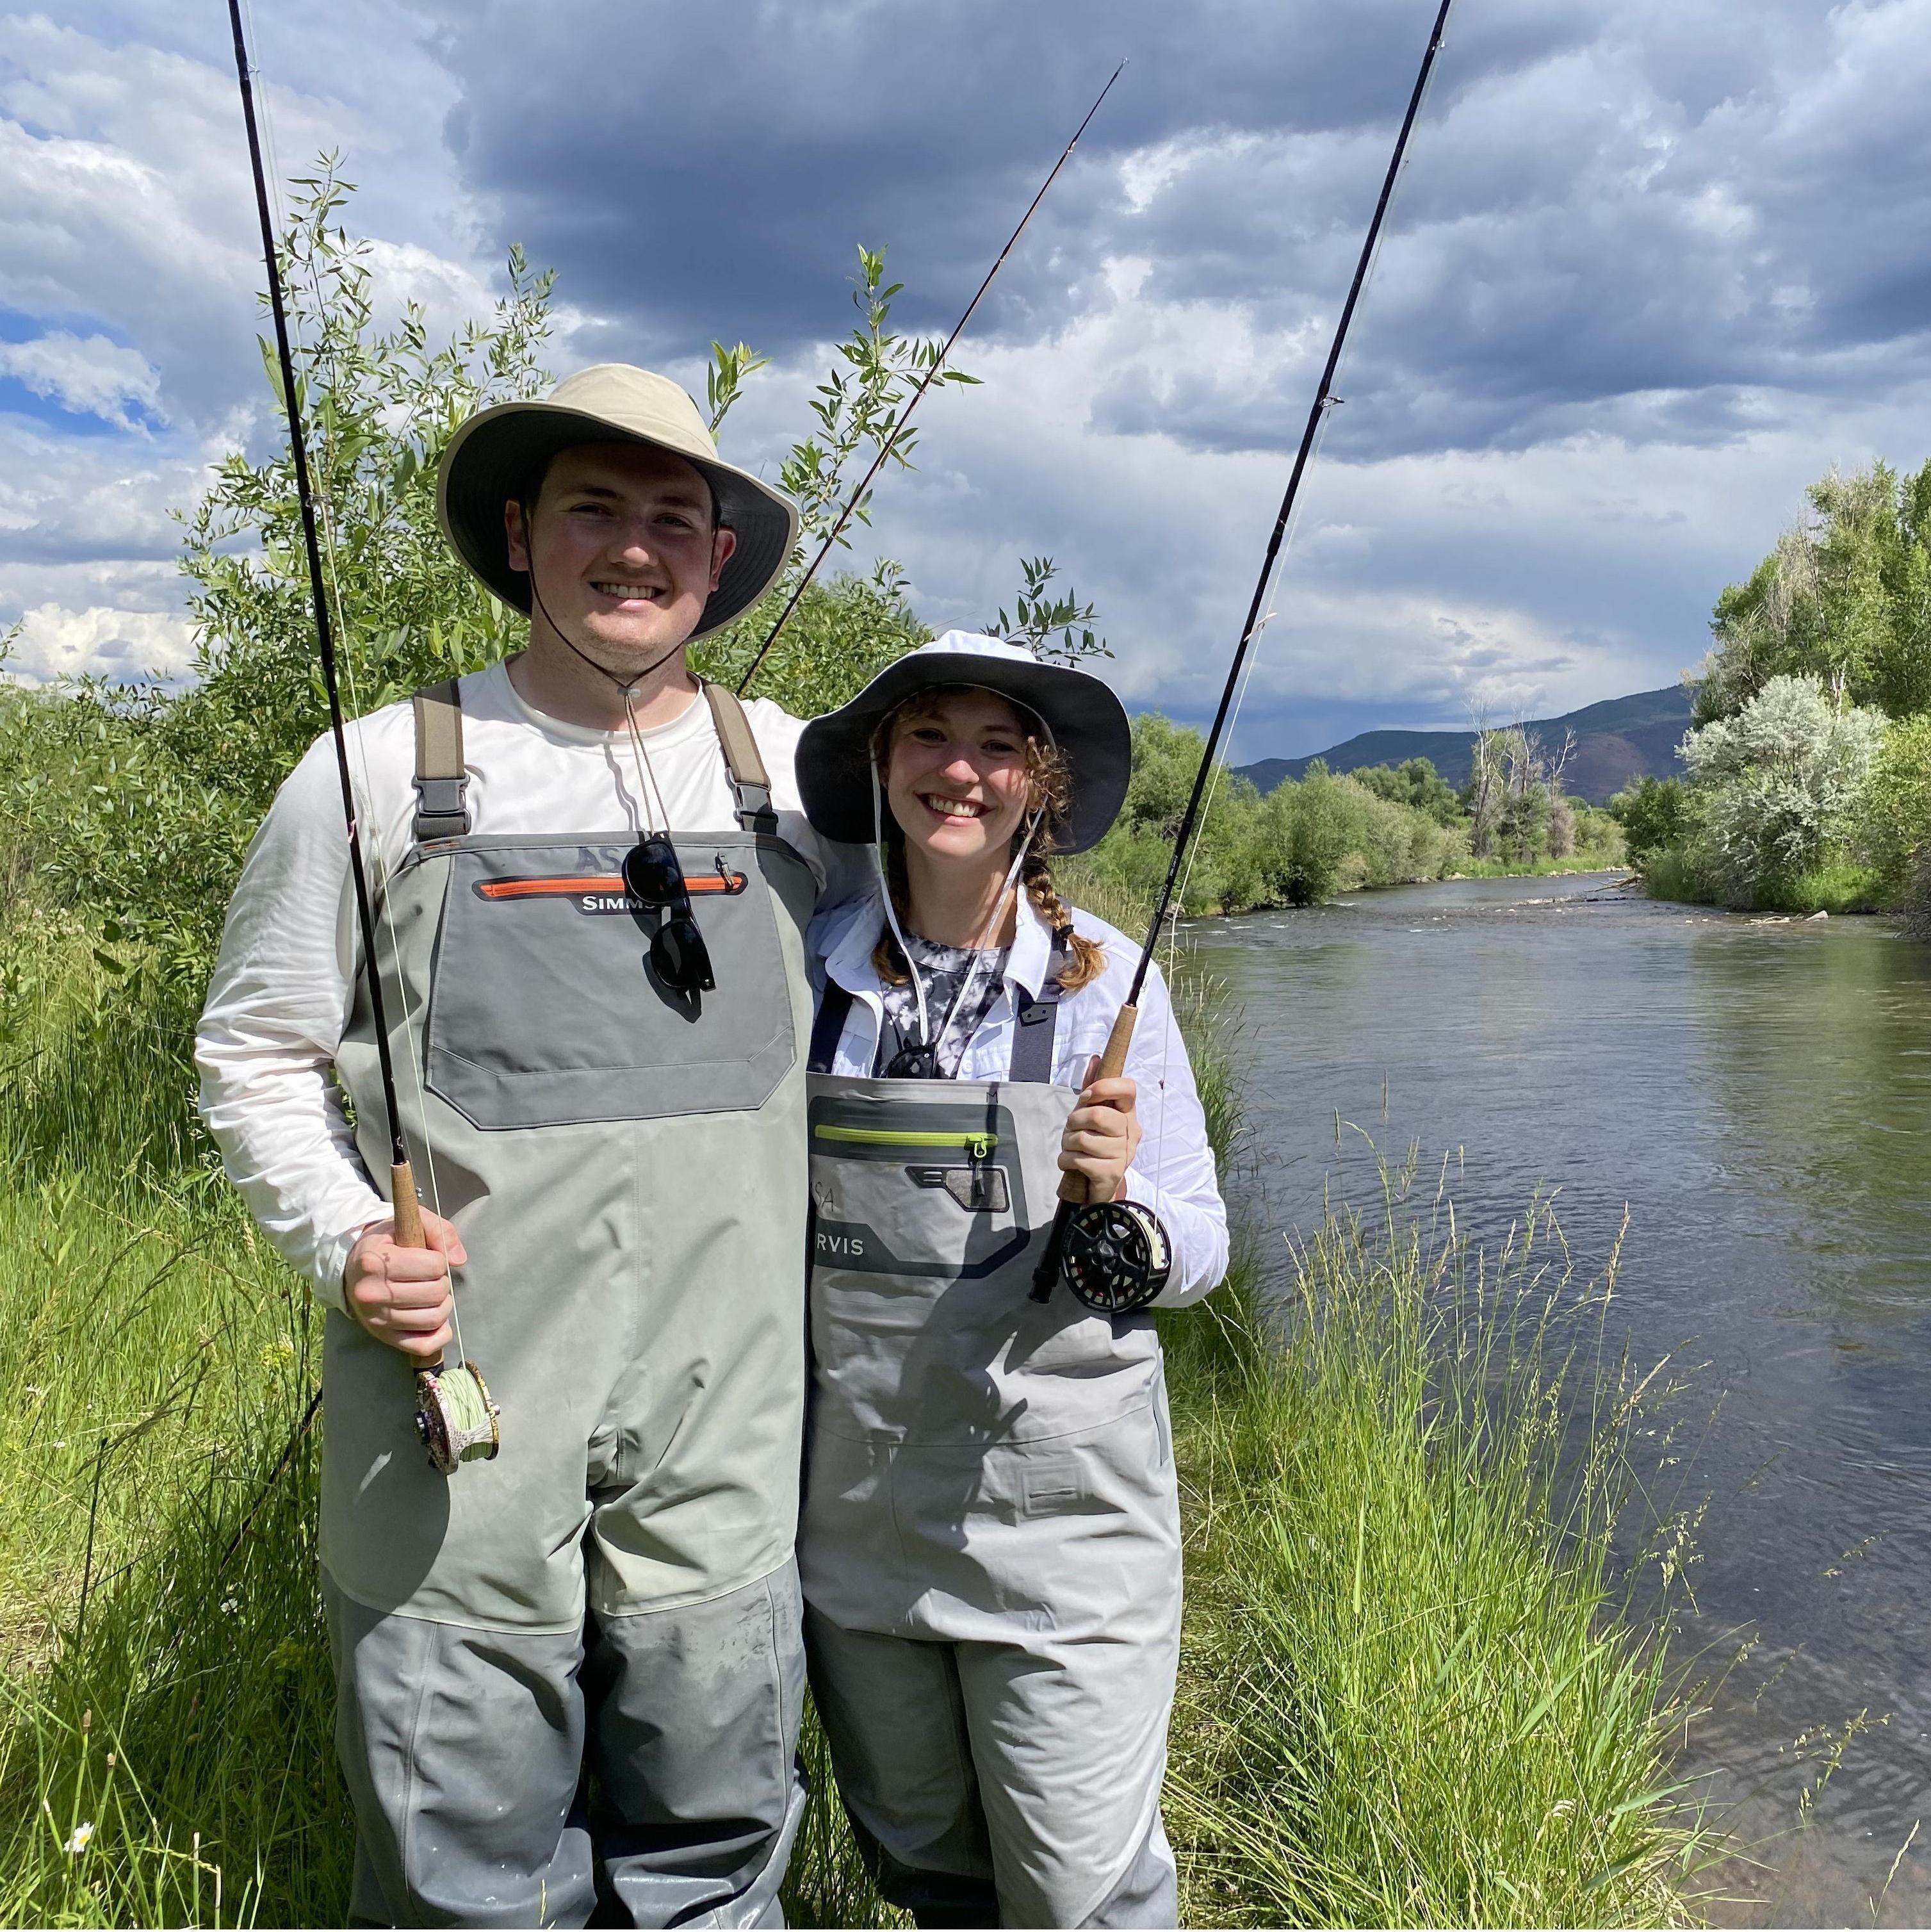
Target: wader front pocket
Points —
{"points": [[934, 1190], [543, 1008]]}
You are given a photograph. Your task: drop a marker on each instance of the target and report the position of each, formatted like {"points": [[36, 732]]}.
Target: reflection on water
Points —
{"points": [[1759, 1095]]}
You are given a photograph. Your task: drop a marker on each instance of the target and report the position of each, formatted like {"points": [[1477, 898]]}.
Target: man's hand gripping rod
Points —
{"points": [[1113, 1061]]}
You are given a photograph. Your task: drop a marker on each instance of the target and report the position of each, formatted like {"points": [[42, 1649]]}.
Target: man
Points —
{"points": [[568, 1678]]}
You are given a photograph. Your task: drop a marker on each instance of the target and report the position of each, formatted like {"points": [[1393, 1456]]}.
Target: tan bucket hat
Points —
{"points": [[492, 456]]}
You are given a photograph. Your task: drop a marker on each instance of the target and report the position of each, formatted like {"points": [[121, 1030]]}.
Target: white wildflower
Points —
{"points": [[79, 1838]]}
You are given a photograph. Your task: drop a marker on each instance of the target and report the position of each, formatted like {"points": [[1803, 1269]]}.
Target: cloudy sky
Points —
{"points": [[1652, 268]]}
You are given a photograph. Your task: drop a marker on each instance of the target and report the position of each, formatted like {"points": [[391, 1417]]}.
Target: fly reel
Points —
{"points": [[1117, 1259], [455, 1418]]}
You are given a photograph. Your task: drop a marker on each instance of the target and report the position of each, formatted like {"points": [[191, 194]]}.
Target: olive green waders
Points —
{"points": [[990, 1541], [614, 1593]]}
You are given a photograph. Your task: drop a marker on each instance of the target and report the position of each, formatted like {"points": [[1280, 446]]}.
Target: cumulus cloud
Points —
{"points": [[131, 646], [89, 375], [65, 498], [1650, 271]]}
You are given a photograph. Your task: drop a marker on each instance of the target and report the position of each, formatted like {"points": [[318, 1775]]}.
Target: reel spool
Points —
{"points": [[455, 1418], [1117, 1259]]}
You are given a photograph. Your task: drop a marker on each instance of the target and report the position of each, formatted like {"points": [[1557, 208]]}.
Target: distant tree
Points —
{"points": [[1514, 783], [1315, 825], [1561, 827], [1414, 782], [1845, 598], [1654, 813]]}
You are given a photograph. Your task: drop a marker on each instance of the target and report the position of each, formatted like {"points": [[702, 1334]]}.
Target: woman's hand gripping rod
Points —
{"points": [[1072, 1186], [1074, 1192]]}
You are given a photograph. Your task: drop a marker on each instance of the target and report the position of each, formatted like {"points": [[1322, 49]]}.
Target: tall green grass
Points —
{"points": [[164, 1736], [1411, 1694], [1836, 885]]}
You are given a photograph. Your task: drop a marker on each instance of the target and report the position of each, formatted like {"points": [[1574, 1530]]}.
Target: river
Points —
{"points": [[1758, 1096]]}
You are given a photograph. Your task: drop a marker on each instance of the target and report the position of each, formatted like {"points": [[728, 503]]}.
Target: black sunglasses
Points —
{"points": [[678, 954]]}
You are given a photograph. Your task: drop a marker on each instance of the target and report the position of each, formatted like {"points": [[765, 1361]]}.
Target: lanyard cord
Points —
{"points": [[927, 1038]]}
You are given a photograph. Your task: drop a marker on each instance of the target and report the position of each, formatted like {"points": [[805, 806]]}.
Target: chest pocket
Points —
{"points": [[543, 1010], [932, 1189]]}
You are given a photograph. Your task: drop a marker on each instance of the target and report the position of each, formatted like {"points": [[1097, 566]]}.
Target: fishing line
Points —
{"points": [[1073, 1187], [925, 381], [445, 1417]]}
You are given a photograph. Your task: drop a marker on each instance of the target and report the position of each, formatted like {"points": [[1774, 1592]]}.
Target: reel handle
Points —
{"points": [[1072, 1186]]}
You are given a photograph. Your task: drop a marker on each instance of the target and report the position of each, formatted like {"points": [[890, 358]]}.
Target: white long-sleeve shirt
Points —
{"points": [[1172, 1173], [283, 987]]}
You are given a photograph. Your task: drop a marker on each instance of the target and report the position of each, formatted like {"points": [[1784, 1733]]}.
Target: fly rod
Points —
{"points": [[447, 1402], [1115, 1239], [925, 381]]}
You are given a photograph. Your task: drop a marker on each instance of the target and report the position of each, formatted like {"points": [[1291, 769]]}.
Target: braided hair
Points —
{"points": [[1049, 786]]}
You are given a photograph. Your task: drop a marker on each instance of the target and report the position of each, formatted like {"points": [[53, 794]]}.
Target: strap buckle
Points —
{"points": [[756, 812], [442, 808]]}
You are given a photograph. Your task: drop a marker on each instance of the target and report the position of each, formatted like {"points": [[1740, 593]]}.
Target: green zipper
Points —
{"points": [[978, 1145]]}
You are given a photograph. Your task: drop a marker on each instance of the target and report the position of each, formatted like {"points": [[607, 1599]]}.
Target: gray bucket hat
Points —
{"points": [[1088, 724], [491, 457]]}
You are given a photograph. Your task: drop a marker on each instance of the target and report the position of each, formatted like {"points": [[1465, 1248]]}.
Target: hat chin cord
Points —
{"points": [[625, 687], [926, 1036]]}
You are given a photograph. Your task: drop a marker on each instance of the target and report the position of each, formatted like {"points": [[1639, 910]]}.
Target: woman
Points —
{"points": [[990, 1541]]}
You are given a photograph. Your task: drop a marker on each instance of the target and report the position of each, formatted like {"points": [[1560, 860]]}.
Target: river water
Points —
{"points": [[1758, 1096]]}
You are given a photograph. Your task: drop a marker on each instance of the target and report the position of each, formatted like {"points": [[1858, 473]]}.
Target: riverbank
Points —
{"points": [[1838, 888], [1407, 1692]]}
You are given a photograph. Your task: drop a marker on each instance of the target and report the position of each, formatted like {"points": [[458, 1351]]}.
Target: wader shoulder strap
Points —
{"points": [[829, 1028], [441, 784], [749, 779], [1034, 1025]]}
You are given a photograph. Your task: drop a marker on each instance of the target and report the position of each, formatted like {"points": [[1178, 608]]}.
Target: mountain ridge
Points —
{"points": [[1617, 740]]}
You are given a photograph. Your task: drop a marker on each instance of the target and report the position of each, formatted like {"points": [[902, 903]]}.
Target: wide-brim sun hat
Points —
{"points": [[1088, 724], [491, 457]]}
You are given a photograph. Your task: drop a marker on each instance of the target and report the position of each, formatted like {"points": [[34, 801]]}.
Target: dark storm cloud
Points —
{"points": [[684, 163], [1626, 221]]}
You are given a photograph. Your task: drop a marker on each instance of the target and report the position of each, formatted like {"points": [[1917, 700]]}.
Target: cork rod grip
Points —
{"points": [[1112, 1064], [408, 1210], [408, 1230]]}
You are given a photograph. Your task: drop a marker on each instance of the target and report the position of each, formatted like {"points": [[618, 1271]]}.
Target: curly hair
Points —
{"points": [[1049, 785]]}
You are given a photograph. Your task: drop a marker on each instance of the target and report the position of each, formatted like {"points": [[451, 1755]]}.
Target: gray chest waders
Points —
{"points": [[989, 1478], [626, 1164]]}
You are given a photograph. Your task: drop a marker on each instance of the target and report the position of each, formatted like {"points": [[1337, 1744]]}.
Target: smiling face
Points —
{"points": [[626, 551], [958, 779]]}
